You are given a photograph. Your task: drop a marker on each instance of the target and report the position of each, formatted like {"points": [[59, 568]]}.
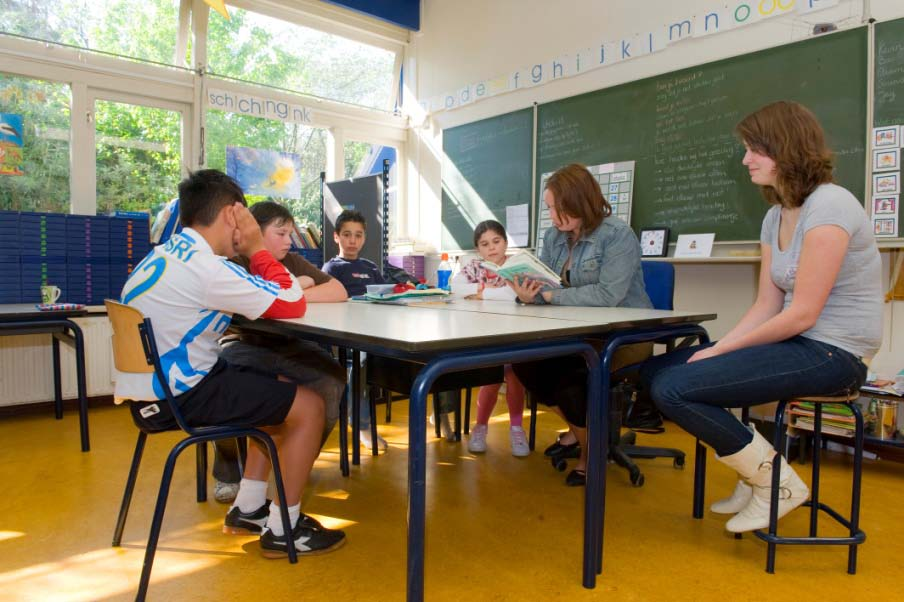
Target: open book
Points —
{"points": [[525, 265]]}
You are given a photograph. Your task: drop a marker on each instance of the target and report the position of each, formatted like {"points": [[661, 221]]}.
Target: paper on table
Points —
{"points": [[517, 224], [694, 245]]}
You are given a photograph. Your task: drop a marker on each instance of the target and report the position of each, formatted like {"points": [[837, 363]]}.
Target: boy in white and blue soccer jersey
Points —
{"points": [[190, 290]]}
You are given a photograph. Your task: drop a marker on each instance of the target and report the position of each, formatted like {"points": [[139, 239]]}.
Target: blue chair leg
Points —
{"points": [[241, 444], [458, 415], [814, 484], [157, 521], [130, 487], [855, 489], [201, 462], [532, 437], [776, 475], [343, 433], [699, 478], [468, 411], [372, 401], [435, 415], [281, 496]]}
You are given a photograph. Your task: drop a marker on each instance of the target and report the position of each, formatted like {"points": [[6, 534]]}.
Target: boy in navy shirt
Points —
{"points": [[354, 272]]}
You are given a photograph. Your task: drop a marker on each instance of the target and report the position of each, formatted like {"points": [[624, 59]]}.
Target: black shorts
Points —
{"points": [[227, 396]]}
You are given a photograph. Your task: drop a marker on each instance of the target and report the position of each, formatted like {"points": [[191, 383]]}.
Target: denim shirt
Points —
{"points": [[605, 267]]}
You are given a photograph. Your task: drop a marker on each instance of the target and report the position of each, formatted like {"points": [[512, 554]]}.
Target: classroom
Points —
{"points": [[473, 434]]}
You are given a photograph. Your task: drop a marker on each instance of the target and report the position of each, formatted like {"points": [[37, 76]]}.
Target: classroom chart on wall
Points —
{"points": [[486, 174], [888, 122], [616, 182], [679, 128]]}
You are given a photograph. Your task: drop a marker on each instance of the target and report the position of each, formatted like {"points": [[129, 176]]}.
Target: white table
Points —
{"points": [[475, 334]]}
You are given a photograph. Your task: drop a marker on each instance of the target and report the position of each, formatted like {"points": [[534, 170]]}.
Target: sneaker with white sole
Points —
{"points": [[225, 492], [520, 448], [364, 437], [477, 440], [310, 538], [246, 523]]}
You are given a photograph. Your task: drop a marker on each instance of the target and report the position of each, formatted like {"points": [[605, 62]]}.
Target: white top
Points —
{"points": [[467, 282], [852, 316], [190, 294]]}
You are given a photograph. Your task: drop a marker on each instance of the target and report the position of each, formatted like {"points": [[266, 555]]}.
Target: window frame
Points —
{"points": [[93, 76]]}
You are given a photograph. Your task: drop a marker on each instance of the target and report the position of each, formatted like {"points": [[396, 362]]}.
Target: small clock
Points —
{"points": [[654, 242]]}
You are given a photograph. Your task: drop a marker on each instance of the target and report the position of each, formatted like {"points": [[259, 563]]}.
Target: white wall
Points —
{"points": [[467, 41]]}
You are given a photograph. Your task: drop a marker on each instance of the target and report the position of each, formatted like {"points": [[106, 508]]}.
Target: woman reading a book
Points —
{"points": [[818, 311], [474, 281], [597, 257]]}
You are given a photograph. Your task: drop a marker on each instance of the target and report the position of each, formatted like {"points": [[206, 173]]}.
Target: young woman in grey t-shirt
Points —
{"points": [[816, 316]]}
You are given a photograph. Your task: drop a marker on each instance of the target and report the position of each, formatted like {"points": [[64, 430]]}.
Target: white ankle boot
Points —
{"points": [[754, 463], [736, 502]]}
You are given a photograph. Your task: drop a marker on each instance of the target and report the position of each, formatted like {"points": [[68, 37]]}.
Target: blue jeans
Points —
{"points": [[696, 396]]}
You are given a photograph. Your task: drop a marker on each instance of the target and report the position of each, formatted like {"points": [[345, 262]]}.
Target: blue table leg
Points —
{"points": [[356, 407], [81, 383], [57, 378], [597, 452], [597, 420], [417, 433], [417, 485]]}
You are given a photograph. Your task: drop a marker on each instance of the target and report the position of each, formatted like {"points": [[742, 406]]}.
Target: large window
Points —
{"points": [[259, 49], [142, 29], [304, 145], [138, 156], [34, 145]]}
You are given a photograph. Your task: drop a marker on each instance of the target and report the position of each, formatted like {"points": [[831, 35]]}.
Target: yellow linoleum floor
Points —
{"points": [[499, 528]]}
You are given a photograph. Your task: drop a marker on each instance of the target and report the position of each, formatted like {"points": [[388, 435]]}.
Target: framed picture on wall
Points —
{"points": [[887, 159], [654, 242], [886, 183], [888, 136]]}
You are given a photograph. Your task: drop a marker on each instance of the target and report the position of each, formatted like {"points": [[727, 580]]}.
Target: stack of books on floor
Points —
{"points": [[837, 419]]}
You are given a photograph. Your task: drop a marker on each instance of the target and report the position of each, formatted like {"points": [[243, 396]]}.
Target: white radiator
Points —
{"points": [[26, 364]]}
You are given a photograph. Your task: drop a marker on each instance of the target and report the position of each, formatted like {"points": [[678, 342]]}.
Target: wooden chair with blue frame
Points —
{"points": [[135, 351]]}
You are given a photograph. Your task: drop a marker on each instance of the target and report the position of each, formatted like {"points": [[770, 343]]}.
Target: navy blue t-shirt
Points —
{"points": [[354, 275]]}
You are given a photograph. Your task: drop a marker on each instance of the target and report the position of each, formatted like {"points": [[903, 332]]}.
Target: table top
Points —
{"points": [[428, 329], [27, 311]]}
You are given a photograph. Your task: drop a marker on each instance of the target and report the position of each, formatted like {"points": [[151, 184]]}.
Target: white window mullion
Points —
{"points": [[335, 154], [82, 155]]}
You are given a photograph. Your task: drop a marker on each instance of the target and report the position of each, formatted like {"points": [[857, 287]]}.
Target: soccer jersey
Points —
{"points": [[190, 294]]}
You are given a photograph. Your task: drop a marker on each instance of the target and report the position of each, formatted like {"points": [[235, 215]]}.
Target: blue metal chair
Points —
{"points": [[135, 351]]}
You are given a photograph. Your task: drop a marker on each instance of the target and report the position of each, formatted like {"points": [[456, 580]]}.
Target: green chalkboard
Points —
{"points": [[889, 105], [679, 128], [486, 168], [889, 82]]}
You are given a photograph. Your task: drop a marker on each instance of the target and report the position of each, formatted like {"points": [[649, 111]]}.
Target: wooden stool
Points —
{"points": [[856, 536]]}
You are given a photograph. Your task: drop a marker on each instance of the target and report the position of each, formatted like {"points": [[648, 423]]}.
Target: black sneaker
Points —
{"points": [[246, 523], [310, 538]]}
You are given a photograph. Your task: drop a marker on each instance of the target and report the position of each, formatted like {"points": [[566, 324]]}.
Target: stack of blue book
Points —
{"points": [[42, 243], [10, 279], [88, 253], [129, 244]]}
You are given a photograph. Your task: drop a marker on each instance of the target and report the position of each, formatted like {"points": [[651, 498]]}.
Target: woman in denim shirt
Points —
{"points": [[598, 258]]}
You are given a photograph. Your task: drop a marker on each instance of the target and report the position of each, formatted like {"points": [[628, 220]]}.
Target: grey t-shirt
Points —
{"points": [[852, 316]]}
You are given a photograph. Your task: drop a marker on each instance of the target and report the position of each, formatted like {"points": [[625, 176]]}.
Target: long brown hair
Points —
{"points": [[577, 194], [789, 134]]}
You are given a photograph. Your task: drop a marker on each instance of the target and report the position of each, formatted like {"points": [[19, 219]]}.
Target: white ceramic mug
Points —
{"points": [[50, 294]]}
